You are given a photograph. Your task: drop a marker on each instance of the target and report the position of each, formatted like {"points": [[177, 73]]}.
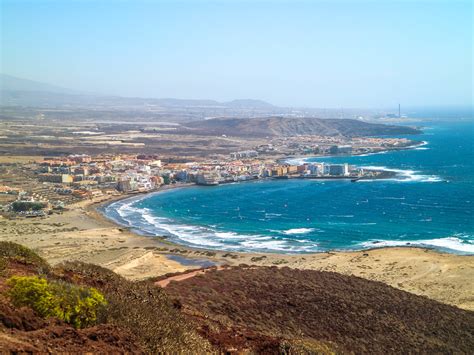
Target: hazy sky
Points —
{"points": [[293, 53]]}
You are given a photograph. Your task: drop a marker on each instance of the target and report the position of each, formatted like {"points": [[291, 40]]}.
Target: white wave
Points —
{"points": [[208, 237], [277, 245], [301, 160], [404, 175], [297, 161], [265, 244], [298, 231], [389, 198], [125, 210], [369, 154], [151, 219], [235, 236], [198, 236], [452, 243], [193, 235]]}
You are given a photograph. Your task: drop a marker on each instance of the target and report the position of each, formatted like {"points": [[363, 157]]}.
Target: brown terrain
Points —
{"points": [[293, 126], [50, 135], [83, 234], [238, 309], [58, 136], [139, 317], [343, 313]]}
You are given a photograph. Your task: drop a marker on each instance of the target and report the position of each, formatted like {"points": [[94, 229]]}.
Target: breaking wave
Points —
{"points": [[459, 243], [404, 175], [284, 241], [142, 220], [298, 231]]}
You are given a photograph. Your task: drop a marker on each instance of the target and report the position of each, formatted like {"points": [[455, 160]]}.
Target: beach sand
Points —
{"points": [[84, 234]]}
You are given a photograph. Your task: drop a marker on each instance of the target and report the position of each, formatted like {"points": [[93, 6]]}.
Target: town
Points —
{"points": [[39, 187]]}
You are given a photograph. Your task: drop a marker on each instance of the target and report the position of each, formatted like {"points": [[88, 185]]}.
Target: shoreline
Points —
{"points": [[84, 234], [100, 209], [287, 159]]}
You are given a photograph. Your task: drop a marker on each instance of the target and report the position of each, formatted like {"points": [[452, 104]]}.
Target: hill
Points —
{"points": [[23, 92], [13, 84], [235, 309], [265, 307], [138, 317], [249, 103], [293, 126]]}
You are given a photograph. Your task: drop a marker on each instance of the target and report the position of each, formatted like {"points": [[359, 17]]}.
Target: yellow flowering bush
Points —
{"points": [[76, 305]]}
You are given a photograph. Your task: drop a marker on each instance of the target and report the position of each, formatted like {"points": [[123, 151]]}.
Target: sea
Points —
{"points": [[429, 203]]}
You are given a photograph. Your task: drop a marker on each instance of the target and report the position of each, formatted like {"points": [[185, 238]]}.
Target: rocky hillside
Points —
{"points": [[267, 307], [292, 126], [138, 317], [232, 310]]}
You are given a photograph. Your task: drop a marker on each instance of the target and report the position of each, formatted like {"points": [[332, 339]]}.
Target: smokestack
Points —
{"points": [[399, 115]]}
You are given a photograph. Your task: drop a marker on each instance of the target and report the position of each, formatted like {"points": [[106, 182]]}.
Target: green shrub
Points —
{"points": [[14, 251], [141, 308], [75, 305], [34, 292], [78, 305], [22, 206], [3, 265]]}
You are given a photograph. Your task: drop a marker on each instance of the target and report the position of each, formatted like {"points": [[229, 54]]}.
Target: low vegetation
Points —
{"points": [[140, 307], [76, 306], [318, 310], [23, 206], [19, 253], [72, 304]]}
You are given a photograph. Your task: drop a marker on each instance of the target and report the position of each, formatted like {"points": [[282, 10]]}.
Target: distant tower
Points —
{"points": [[399, 115]]}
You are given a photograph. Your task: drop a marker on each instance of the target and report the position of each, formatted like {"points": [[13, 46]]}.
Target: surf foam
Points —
{"points": [[298, 231], [404, 175], [456, 243]]}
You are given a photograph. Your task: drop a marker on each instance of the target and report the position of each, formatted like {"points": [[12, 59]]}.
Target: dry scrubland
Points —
{"points": [[139, 317], [241, 309], [50, 135], [83, 234], [322, 310], [58, 136]]}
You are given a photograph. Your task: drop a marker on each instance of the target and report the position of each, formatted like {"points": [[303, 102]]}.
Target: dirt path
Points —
{"points": [[165, 282]]}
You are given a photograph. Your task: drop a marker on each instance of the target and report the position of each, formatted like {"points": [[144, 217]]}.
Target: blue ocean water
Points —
{"points": [[430, 203]]}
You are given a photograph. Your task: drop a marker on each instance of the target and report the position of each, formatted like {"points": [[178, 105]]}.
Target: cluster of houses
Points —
{"points": [[82, 176]]}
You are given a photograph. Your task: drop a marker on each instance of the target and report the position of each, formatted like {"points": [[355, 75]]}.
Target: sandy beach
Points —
{"points": [[82, 233]]}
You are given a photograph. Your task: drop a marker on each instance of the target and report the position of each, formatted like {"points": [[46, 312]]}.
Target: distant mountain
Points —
{"points": [[292, 126], [12, 83], [170, 102], [23, 92], [249, 103]]}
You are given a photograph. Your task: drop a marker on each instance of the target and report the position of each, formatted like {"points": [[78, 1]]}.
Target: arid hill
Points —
{"points": [[254, 307], [138, 317], [232, 310], [292, 126]]}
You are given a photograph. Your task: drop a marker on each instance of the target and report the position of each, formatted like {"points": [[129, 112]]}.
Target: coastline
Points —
{"points": [[288, 159], [83, 233]]}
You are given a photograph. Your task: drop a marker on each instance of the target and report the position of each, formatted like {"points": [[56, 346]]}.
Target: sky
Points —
{"points": [[290, 53]]}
